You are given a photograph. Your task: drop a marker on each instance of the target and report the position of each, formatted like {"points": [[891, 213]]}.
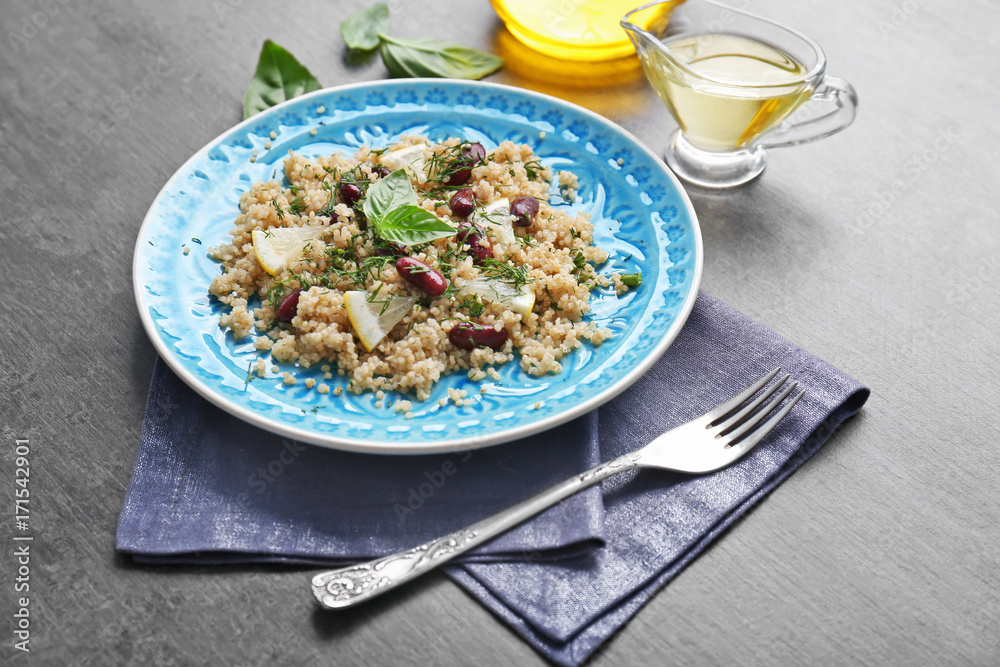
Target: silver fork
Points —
{"points": [[703, 445]]}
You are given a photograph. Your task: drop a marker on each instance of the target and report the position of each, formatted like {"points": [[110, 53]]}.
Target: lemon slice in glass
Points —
{"points": [[373, 320], [276, 248], [517, 299]]}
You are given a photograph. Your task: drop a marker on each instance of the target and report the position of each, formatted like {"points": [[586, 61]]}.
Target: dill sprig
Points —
{"points": [[579, 261], [533, 169], [442, 166], [508, 273], [327, 208], [277, 207], [470, 304], [552, 299], [364, 272], [250, 375]]}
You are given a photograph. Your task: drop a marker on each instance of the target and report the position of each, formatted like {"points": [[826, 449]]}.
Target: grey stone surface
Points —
{"points": [[882, 550]]}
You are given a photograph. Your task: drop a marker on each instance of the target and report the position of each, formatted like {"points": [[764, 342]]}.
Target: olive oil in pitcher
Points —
{"points": [[727, 89], [733, 81]]}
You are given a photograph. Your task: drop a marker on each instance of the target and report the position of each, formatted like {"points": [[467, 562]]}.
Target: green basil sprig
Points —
{"points": [[279, 77], [367, 30], [360, 31], [388, 193], [432, 57], [411, 225], [391, 208]]}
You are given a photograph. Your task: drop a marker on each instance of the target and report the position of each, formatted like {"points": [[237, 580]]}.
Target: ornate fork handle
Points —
{"points": [[356, 583]]}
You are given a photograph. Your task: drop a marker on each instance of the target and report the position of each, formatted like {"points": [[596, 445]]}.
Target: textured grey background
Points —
{"points": [[882, 550]]}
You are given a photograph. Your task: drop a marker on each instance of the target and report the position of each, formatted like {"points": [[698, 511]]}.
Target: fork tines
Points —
{"points": [[736, 421]]}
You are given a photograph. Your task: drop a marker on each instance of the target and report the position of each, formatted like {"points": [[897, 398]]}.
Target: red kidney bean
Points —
{"points": [[472, 236], [468, 233], [474, 152], [463, 203], [480, 253], [421, 275], [524, 210], [461, 175], [289, 307], [349, 193], [382, 172], [468, 335], [472, 155]]}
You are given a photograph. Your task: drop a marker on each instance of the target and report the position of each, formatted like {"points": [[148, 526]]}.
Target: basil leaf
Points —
{"points": [[412, 225], [431, 57], [279, 77], [391, 192], [360, 30]]}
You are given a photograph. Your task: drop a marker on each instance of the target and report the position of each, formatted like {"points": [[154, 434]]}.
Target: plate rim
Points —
{"points": [[369, 446]]}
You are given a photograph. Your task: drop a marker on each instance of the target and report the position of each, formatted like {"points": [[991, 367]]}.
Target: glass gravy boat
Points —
{"points": [[736, 84]]}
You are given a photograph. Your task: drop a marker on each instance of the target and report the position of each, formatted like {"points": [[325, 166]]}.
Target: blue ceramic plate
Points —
{"points": [[642, 217]]}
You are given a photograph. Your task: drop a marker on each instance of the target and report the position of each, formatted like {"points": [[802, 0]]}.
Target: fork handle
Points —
{"points": [[354, 584]]}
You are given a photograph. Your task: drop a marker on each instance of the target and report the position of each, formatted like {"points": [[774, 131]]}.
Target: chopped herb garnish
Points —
{"points": [[473, 306], [442, 166], [631, 279], [579, 261], [555, 304], [250, 375], [508, 273], [297, 206], [274, 203], [534, 169], [330, 203]]}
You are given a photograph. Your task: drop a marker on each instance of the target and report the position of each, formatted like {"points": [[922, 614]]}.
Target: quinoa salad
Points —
{"points": [[395, 268]]}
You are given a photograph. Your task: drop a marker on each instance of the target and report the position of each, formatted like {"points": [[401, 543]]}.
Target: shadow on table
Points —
{"points": [[128, 563], [765, 226]]}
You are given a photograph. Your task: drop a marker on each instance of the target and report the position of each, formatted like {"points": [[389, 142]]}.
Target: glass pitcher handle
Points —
{"points": [[832, 107]]}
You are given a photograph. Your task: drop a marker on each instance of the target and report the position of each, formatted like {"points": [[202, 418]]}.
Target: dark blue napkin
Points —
{"points": [[567, 579], [208, 487], [658, 522]]}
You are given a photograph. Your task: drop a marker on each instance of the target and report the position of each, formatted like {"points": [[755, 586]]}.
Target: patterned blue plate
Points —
{"points": [[642, 217]]}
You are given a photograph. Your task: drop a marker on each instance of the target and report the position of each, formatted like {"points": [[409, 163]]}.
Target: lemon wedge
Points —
{"points": [[412, 158], [277, 247], [517, 299], [373, 320], [496, 217]]}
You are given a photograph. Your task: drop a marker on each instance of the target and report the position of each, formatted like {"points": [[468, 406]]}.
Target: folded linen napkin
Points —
{"points": [[209, 488], [565, 580]]}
